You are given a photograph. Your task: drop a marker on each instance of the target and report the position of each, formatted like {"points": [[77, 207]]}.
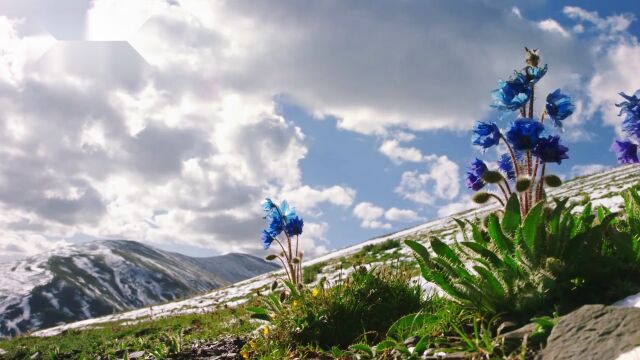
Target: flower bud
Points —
{"points": [[270, 257], [274, 286], [492, 177], [523, 183], [552, 181], [295, 261], [283, 296], [480, 197]]}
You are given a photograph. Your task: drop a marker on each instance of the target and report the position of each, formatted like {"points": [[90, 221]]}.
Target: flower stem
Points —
{"points": [[540, 183], [497, 198]]}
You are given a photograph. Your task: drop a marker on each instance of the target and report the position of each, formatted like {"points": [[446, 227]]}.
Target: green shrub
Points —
{"points": [[380, 247], [552, 259], [361, 308], [310, 273]]}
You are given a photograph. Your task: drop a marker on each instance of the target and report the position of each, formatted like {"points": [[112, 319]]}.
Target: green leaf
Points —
{"points": [[443, 250], [511, 219], [386, 344], [257, 310], [533, 230], [502, 242], [419, 249], [422, 345], [408, 324], [495, 286], [362, 348], [483, 252]]}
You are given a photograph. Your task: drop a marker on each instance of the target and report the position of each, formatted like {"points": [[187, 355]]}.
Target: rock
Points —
{"points": [[136, 355], [594, 332], [226, 348]]}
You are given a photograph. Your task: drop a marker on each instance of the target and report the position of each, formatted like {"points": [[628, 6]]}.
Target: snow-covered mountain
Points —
{"points": [[104, 277]]}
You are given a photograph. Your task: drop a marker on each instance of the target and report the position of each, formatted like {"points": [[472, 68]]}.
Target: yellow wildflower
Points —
{"points": [[295, 304], [265, 330], [253, 345], [244, 354], [315, 292]]}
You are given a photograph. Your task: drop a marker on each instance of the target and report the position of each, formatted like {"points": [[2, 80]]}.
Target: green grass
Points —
{"points": [[310, 273], [114, 340]]}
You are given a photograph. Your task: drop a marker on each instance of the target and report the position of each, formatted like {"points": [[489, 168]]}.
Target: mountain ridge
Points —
{"points": [[101, 277]]}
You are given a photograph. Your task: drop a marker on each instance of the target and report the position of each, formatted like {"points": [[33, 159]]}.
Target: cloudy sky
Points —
{"points": [[167, 121]]}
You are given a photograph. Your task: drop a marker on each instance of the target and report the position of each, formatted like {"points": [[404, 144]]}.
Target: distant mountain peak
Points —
{"points": [[101, 277]]}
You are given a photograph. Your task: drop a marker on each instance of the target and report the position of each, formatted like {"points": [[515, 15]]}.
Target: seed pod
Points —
{"points": [[270, 257], [274, 286], [523, 183], [492, 177], [283, 296], [552, 181], [295, 261], [480, 197]]}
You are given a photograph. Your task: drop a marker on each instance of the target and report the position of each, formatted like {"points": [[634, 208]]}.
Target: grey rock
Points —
{"points": [[136, 355], [594, 332]]}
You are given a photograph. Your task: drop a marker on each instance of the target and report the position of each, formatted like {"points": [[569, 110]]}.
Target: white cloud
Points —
{"points": [[581, 170], [403, 215], [307, 199], [553, 26], [440, 181], [456, 207], [616, 71], [369, 214], [253, 43], [613, 23], [399, 154]]}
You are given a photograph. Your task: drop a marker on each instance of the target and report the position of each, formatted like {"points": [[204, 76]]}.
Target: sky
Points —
{"points": [[168, 121]]}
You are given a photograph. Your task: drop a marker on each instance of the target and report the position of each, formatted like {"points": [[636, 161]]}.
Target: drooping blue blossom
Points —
{"points": [[511, 94], [266, 238], [294, 226], [631, 127], [286, 211], [524, 134], [485, 134], [506, 166], [559, 107], [535, 73], [631, 106], [549, 150], [626, 151], [474, 175], [275, 226]]}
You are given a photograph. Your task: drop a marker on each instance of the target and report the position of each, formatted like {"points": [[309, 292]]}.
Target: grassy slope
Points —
{"points": [[113, 340]]}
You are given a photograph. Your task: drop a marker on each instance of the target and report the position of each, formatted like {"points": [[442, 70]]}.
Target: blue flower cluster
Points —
{"points": [[280, 219], [528, 148], [626, 150]]}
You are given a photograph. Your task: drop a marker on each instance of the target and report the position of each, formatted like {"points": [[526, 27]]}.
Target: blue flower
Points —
{"points": [[550, 150], [266, 238], [631, 106], [485, 134], [511, 94], [631, 126], [275, 226], [506, 166], [286, 211], [294, 226], [626, 151], [559, 107], [536, 73], [524, 134], [474, 175]]}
